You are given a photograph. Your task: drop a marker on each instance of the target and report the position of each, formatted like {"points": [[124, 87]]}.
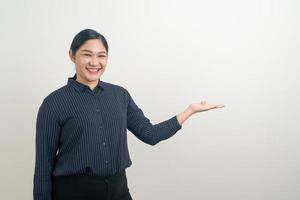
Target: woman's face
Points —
{"points": [[90, 61]]}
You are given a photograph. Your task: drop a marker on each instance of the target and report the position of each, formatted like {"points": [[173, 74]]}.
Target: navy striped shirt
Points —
{"points": [[83, 131]]}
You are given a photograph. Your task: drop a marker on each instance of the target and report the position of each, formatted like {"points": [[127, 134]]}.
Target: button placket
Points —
{"points": [[98, 113], [97, 109]]}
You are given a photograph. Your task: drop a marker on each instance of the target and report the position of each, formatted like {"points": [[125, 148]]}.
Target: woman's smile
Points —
{"points": [[93, 70]]}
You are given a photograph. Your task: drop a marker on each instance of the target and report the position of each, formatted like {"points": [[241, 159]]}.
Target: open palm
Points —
{"points": [[203, 106]]}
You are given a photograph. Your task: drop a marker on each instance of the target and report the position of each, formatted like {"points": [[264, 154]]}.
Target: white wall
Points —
{"points": [[244, 54]]}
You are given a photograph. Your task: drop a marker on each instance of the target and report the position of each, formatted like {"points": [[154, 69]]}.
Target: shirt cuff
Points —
{"points": [[174, 124]]}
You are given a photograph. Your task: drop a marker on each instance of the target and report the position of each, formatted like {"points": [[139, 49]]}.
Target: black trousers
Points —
{"points": [[83, 187]]}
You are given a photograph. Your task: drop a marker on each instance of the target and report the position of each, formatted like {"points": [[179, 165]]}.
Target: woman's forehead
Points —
{"points": [[93, 46]]}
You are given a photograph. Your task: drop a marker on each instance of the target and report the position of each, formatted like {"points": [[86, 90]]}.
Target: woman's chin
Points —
{"points": [[92, 76]]}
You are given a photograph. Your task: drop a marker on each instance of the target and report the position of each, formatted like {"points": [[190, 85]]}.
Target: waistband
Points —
{"points": [[91, 177]]}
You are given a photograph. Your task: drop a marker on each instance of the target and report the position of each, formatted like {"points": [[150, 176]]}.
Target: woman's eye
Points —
{"points": [[86, 54]]}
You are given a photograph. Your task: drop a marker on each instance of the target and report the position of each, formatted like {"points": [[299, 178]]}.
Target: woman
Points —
{"points": [[81, 140]]}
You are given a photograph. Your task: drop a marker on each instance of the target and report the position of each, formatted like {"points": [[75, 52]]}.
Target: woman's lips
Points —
{"points": [[93, 70]]}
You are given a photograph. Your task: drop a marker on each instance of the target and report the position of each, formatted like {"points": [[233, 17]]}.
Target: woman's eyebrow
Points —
{"points": [[92, 51]]}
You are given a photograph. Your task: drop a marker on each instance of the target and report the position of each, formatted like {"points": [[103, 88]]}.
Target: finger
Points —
{"points": [[214, 106], [219, 106]]}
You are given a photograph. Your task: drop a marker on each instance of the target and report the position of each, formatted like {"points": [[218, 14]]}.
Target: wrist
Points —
{"points": [[183, 116], [189, 110]]}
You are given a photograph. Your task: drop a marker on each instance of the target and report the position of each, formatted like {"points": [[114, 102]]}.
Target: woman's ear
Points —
{"points": [[72, 56]]}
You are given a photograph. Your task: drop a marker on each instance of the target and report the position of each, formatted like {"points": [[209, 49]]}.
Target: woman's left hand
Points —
{"points": [[203, 106], [194, 108]]}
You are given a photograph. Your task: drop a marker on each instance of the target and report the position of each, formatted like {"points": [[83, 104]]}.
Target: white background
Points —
{"points": [[168, 54]]}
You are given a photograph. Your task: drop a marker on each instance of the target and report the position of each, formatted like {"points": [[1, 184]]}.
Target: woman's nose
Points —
{"points": [[94, 61]]}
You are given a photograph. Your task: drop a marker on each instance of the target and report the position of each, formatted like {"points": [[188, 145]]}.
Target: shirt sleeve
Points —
{"points": [[143, 129], [46, 144]]}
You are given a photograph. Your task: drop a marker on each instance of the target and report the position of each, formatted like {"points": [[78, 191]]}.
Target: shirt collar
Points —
{"points": [[80, 87]]}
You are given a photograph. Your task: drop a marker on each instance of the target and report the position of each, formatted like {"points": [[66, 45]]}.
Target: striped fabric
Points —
{"points": [[83, 131]]}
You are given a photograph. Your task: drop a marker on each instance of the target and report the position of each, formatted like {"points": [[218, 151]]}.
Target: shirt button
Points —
{"points": [[106, 162], [104, 143], [97, 110]]}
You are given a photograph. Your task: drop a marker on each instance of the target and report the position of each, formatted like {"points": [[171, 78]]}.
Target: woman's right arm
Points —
{"points": [[46, 145]]}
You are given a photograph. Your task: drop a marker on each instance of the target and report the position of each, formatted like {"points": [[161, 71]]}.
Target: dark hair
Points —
{"points": [[85, 35]]}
